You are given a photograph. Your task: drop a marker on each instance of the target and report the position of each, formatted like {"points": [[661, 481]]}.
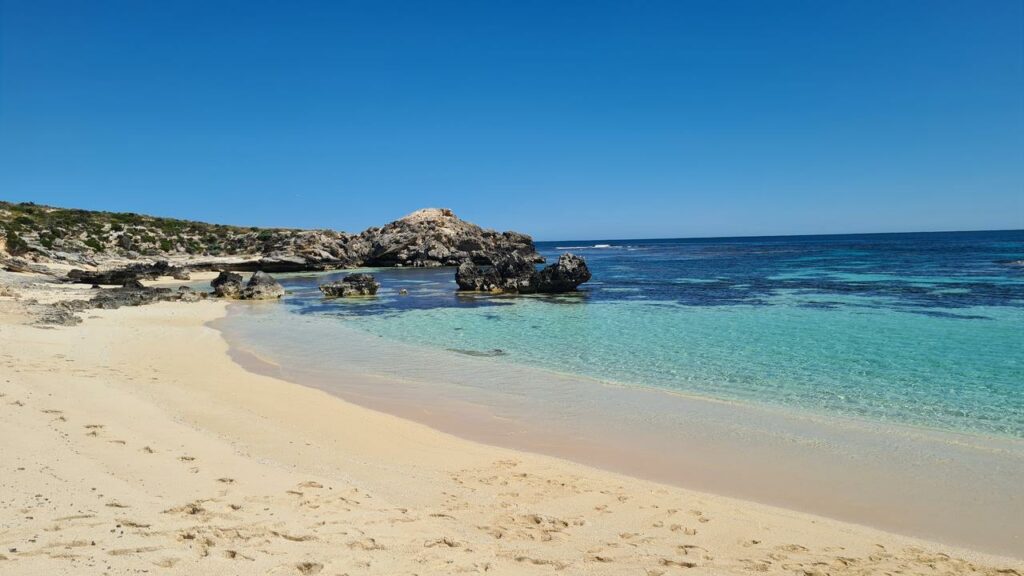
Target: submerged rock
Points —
{"points": [[227, 285], [514, 273], [351, 285], [262, 286]]}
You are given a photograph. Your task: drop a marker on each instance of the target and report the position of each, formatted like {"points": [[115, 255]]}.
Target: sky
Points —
{"points": [[564, 120]]}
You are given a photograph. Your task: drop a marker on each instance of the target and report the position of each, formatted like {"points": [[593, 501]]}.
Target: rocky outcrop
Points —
{"points": [[262, 286], [227, 285], [126, 274], [437, 237], [104, 240], [351, 285], [65, 313], [186, 294], [20, 265], [513, 273], [563, 276]]}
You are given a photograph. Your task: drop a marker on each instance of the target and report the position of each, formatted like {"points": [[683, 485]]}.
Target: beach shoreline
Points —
{"points": [[134, 441], [882, 475]]}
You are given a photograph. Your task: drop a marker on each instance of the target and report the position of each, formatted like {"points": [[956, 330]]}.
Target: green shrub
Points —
{"points": [[15, 245], [94, 244], [25, 221]]}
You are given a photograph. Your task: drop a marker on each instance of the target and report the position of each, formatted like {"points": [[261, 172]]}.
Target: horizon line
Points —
{"points": [[739, 236], [751, 236]]}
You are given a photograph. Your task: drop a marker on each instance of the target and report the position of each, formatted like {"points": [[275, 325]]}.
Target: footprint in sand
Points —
{"points": [[309, 568]]}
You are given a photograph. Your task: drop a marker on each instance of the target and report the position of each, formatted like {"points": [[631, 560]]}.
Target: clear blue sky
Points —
{"points": [[562, 119]]}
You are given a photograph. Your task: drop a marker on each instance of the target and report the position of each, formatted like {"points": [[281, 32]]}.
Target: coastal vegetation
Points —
{"points": [[34, 228], [425, 238]]}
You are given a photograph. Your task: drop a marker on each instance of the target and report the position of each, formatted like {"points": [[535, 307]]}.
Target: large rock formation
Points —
{"points": [[513, 273], [437, 237], [351, 285], [111, 248]]}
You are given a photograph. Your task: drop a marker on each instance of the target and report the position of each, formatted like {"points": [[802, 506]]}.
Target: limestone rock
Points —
{"points": [[563, 276], [514, 273], [351, 285], [437, 237], [227, 285], [262, 286]]}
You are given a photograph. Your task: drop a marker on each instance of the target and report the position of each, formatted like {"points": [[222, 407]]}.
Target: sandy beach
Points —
{"points": [[133, 444]]}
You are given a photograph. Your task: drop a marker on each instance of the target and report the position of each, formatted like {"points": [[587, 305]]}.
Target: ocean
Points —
{"points": [[886, 366]]}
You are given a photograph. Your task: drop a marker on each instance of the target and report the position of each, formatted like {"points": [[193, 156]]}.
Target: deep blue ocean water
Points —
{"points": [[920, 329]]}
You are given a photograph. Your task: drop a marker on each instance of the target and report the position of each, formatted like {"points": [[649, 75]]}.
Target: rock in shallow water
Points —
{"points": [[227, 285], [262, 286], [563, 276], [513, 273], [351, 285]]}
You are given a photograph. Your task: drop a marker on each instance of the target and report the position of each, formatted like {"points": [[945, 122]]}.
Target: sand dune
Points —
{"points": [[132, 444]]}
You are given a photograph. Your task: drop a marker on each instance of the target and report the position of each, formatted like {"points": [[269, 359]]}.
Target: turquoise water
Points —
{"points": [[918, 329]]}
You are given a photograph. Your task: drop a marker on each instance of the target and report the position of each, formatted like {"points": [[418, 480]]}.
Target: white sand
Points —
{"points": [[133, 444]]}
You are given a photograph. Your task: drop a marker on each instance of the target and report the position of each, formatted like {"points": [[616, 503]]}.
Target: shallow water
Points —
{"points": [[922, 329], [861, 377]]}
